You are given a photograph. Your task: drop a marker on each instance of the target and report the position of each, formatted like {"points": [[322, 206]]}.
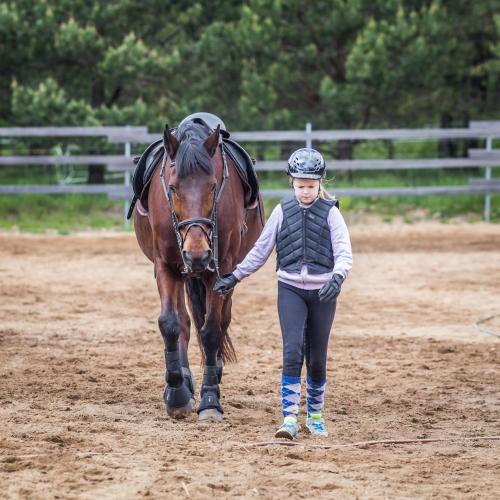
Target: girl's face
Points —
{"points": [[306, 190]]}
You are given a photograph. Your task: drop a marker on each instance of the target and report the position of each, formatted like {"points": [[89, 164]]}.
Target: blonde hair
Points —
{"points": [[323, 193]]}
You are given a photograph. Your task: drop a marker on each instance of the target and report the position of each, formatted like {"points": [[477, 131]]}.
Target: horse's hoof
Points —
{"points": [[179, 401], [211, 414], [182, 411]]}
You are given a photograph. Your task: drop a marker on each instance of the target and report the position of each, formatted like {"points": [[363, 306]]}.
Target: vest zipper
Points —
{"points": [[304, 259]]}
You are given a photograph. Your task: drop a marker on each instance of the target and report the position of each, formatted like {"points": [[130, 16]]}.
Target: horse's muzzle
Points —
{"points": [[199, 263]]}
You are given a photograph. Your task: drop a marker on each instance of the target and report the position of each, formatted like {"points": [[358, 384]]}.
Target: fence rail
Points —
{"points": [[118, 160], [487, 183], [113, 190], [268, 166], [118, 191], [118, 134], [124, 163], [128, 135], [483, 154], [348, 135]]}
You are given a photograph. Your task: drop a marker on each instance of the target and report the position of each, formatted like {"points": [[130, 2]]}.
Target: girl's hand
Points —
{"points": [[331, 289], [225, 284]]}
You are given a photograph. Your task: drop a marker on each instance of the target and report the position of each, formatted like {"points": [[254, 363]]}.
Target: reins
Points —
{"points": [[213, 237]]}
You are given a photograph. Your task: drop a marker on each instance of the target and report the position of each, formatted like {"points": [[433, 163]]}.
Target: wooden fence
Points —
{"points": [[487, 158]]}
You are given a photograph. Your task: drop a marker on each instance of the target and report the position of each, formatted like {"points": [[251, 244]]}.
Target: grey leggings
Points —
{"points": [[305, 328]]}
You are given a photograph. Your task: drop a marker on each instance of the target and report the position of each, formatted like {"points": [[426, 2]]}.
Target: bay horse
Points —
{"points": [[197, 229]]}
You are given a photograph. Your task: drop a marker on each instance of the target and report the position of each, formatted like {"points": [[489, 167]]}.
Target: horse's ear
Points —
{"points": [[170, 142], [212, 141]]}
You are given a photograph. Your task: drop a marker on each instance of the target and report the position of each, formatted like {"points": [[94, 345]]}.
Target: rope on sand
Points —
{"points": [[486, 330], [362, 444]]}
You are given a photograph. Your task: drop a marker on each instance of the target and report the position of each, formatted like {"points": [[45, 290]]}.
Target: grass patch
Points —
{"points": [[63, 213]]}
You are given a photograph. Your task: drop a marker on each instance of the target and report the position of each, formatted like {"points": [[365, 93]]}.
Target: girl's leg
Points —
{"points": [[292, 311], [319, 324]]}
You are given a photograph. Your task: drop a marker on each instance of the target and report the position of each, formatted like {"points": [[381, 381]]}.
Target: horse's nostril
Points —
{"points": [[207, 257], [187, 258]]}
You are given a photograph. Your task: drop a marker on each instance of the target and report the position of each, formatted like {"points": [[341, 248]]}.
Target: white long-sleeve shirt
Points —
{"points": [[258, 255]]}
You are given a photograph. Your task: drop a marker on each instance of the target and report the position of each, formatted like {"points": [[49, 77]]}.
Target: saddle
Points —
{"points": [[146, 163]]}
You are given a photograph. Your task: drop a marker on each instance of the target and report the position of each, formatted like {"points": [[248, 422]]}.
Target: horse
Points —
{"points": [[197, 228]]}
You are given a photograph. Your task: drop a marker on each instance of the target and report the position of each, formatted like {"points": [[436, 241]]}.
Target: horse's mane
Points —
{"points": [[191, 154]]}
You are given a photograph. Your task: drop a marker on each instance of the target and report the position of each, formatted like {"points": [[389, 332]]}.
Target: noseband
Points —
{"points": [[201, 222]]}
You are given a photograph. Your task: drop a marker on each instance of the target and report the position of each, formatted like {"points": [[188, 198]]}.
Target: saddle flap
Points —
{"points": [[145, 165], [245, 166]]}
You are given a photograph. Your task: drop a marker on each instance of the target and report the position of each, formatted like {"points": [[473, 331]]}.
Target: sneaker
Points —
{"points": [[289, 429], [315, 424]]}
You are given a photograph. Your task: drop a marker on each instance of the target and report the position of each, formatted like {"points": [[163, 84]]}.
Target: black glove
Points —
{"points": [[331, 289], [225, 284]]}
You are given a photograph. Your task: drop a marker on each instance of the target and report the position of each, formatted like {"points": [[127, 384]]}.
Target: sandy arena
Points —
{"points": [[82, 370]]}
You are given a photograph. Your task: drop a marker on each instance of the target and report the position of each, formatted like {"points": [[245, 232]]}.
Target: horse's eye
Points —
{"points": [[173, 191], [214, 187]]}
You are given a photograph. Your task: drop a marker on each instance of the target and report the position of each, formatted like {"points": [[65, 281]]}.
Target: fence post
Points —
{"points": [[487, 175], [308, 135], [126, 182]]}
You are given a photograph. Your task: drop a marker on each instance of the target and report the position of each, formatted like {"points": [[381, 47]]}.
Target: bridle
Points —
{"points": [[201, 222]]}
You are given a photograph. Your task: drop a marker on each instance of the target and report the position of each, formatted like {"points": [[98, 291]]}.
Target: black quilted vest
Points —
{"points": [[304, 237]]}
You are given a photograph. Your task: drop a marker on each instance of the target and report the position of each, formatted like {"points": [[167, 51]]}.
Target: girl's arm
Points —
{"points": [[262, 248], [341, 243]]}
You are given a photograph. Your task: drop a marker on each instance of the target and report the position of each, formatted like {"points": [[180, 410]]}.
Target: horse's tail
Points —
{"points": [[197, 294]]}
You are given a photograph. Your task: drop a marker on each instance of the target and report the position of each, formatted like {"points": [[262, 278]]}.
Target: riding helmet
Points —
{"points": [[209, 119], [306, 163]]}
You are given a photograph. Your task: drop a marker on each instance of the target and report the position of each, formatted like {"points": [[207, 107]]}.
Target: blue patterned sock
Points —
{"points": [[315, 396], [290, 396]]}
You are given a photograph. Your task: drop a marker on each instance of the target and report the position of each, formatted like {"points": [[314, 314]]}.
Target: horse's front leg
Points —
{"points": [[185, 333], [178, 394], [211, 339]]}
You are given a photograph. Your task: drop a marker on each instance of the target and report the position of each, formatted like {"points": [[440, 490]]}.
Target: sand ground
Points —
{"points": [[81, 375]]}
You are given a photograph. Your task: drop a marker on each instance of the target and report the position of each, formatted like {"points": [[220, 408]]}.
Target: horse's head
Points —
{"points": [[192, 188]]}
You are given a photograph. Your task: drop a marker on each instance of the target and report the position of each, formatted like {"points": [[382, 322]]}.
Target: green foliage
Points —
{"points": [[259, 64], [48, 104]]}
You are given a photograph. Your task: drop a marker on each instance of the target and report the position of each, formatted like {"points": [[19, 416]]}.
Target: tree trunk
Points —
{"points": [[344, 151], [96, 174], [447, 147]]}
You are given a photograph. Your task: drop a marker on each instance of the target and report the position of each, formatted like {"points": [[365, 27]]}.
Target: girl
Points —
{"points": [[313, 259]]}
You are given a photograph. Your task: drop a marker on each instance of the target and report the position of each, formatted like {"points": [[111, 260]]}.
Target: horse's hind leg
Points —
{"points": [[225, 322], [178, 394], [220, 366]]}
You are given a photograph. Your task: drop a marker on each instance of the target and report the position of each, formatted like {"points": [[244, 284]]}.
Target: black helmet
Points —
{"points": [[306, 163], [210, 119]]}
